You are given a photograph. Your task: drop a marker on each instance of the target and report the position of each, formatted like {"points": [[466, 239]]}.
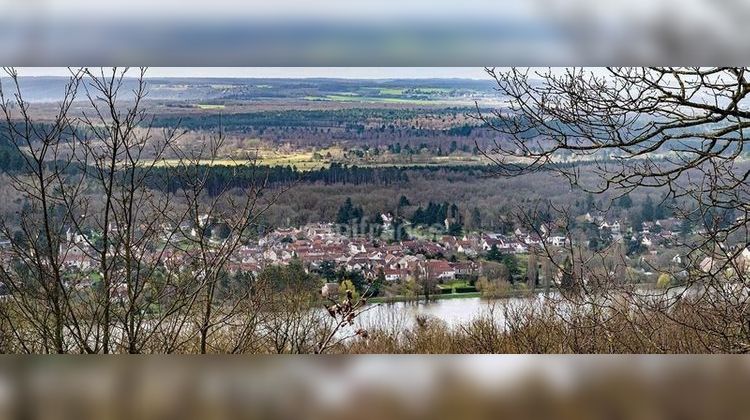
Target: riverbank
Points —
{"points": [[393, 299], [504, 295]]}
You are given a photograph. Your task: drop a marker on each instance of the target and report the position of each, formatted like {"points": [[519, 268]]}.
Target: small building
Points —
{"points": [[558, 240], [440, 270], [394, 274]]}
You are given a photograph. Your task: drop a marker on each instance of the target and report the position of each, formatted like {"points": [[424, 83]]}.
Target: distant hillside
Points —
{"points": [[49, 89]]}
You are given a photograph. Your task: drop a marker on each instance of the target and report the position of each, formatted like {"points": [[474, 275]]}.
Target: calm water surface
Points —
{"points": [[451, 311], [455, 311]]}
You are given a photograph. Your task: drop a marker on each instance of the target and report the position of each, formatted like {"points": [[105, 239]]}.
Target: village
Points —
{"points": [[432, 256], [439, 258]]}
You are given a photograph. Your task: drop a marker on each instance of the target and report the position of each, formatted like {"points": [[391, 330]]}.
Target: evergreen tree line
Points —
{"points": [[238, 176], [437, 214], [222, 177], [351, 118], [11, 159], [508, 260], [352, 218]]}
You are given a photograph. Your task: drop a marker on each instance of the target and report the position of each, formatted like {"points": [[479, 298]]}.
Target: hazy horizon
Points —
{"points": [[374, 73]]}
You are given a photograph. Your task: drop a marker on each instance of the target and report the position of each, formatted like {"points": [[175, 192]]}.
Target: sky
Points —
{"points": [[292, 72]]}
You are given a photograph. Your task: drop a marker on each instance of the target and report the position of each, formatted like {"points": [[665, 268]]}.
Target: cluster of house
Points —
{"points": [[316, 244], [658, 233], [74, 252], [729, 262], [649, 234], [662, 234]]}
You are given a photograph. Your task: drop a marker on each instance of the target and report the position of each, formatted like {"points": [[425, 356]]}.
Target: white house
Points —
{"points": [[558, 240], [394, 274], [356, 248], [615, 227], [520, 248], [387, 220], [466, 249]]}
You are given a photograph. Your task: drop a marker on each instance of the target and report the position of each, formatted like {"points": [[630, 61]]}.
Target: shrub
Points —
{"points": [[664, 280]]}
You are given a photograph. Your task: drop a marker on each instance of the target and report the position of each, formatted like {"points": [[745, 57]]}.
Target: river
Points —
{"points": [[451, 311], [460, 311]]}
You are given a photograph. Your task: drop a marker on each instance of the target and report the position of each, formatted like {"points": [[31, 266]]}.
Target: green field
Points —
{"points": [[390, 91], [209, 106], [300, 163], [302, 160], [414, 91], [422, 91], [374, 99], [305, 160], [454, 284]]}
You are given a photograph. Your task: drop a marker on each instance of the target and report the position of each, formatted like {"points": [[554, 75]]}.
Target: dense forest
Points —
{"points": [[10, 159], [351, 118], [242, 176], [323, 127]]}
